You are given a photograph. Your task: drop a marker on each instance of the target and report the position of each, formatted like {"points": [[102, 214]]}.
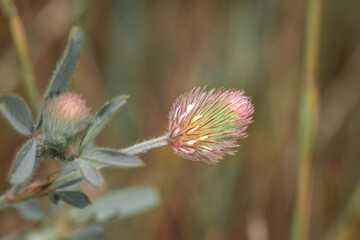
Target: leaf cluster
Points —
{"points": [[83, 163]]}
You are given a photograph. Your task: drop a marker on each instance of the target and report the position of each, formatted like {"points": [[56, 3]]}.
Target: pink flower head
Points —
{"points": [[206, 125], [65, 114], [70, 106]]}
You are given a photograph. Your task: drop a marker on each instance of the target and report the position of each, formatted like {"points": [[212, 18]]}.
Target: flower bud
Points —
{"points": [[206, 125], [65, 115]]}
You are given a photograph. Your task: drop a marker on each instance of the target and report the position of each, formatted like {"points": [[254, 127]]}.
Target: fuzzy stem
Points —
{"points": [[22, 50], [308, 114], [133, 150], [5, 201], [145, 145]]}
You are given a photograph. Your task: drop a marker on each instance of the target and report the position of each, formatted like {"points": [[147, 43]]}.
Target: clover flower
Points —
{"points": [[206, 125], [65, 114]]}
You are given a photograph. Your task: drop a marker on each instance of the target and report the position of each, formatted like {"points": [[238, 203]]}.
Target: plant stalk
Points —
{"points": [[145, 145], [21, 46], [308, 116]]}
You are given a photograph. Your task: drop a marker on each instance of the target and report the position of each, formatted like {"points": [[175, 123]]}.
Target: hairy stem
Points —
{"points": [[132, 150], [145, 145]]}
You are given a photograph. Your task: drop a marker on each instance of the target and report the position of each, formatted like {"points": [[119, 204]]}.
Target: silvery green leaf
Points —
{"points": [[68, 168], [30, 210], [65, 67], [17, 113], [93, 231], [91, 145], [89, 173], [100, 157], [122, 203], [101, 119], [24, 163], [74, 198], [69, 176], [70, 183]]}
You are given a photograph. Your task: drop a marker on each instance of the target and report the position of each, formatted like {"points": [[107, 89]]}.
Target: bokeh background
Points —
{"points": [[156, 50]]}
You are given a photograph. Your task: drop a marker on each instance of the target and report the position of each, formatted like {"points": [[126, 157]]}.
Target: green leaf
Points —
{"points": [[31, 210], [67, 170], [101, 119], [122, 203], [127, 202], [93, 231], [17, 113], [24, 163], [69, 183], [100, 157], [65, 67], [54, 198], [74, 198], [90, 174]]}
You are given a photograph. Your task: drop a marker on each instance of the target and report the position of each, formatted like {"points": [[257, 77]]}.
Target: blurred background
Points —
{"points": [[158, 49]]}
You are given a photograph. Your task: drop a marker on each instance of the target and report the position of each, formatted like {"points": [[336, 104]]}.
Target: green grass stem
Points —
{"points": [[19, 38], [308, 115]]}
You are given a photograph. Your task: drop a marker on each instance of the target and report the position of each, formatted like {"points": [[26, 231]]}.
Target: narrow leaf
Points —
{"points": [[69, 183], [17, 113], [31, 210], [103, 157], [64, 68], [89, 173], [101, 119], [74, 198], [67, 64], [24, 162]]}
